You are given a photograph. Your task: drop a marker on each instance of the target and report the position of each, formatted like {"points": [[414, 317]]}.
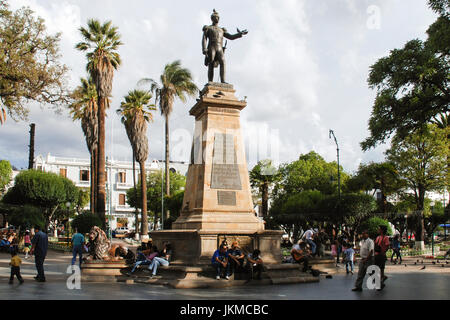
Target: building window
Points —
{"points": [[84, 175], [122, 199], [63, 172], [122, 177]]}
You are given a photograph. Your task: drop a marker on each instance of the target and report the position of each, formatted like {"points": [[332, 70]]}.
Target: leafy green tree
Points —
{"points": [[421, 160], [29, 64], [310, 172], [82, 200], [154, 185], [377, 176], [101, 41], [263, 176], [412, 83], [85, 221], [26, 216], [174, 204], [45, 190], [296, 212], [176, 82], [438, 215], [5, 175], [373, 224]]}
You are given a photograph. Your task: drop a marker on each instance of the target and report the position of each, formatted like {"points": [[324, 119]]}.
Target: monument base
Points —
{"points": [[196, 247]]}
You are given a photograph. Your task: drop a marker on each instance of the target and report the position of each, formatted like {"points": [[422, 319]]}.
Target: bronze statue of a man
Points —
{"points": [[214, 51]]}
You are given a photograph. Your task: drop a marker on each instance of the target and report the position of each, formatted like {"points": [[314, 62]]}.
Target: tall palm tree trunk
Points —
{"points": [[95, 179], [101, 170], [92, 188], [136, 213], [265, 198], [167, 163], [144, 199]]}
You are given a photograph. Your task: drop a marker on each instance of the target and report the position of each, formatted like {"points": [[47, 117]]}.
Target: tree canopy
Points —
{"points": [[310, 172], [29, 64], [177, 183], [5, 175], [412, 83], [46, 190]]}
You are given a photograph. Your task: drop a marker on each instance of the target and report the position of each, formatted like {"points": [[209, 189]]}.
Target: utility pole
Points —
{"points": [[31, 146]]}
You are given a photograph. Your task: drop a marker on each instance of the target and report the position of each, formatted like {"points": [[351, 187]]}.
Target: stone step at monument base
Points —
{"points": [[198, 276]]}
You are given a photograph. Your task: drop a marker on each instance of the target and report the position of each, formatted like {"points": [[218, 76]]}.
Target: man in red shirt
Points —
{"points": [[381, 246]]}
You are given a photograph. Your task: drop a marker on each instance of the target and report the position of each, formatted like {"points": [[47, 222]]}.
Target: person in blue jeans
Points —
{"points": [[349, 257], [219, 262], [77, 247], [162, 259], [396, 249]]}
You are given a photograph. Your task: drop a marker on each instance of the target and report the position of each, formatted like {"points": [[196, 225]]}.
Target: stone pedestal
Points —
{"points": [[217, 202]]}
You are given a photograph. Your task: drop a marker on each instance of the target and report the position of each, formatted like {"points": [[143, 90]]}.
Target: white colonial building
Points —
{"points": [[119, 176]]}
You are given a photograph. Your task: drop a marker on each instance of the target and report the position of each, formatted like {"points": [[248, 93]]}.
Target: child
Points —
{"points": [[15, 267], [349, 257], [27, 244]]}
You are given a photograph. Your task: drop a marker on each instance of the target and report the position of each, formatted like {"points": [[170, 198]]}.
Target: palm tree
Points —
{"points": [[135, 112], [262, 176], [84, 108], [176, 82], [101, 41]]}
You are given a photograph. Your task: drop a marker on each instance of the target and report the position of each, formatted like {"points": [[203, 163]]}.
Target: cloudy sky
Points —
{"points": [[303, 67]]}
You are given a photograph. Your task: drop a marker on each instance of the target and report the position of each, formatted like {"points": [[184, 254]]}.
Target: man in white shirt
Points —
{"points": [[366, 254], [308, 236]]}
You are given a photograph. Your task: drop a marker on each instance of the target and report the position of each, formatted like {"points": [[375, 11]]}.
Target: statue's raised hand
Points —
{"points": [[243, 32]]}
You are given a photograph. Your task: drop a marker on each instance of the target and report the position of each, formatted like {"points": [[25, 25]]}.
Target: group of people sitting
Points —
{"points": [[226, 261], [149, 255], [9, 242]]}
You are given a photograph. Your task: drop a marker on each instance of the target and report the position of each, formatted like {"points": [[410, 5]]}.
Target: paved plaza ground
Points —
{"points": [[404, 283]]}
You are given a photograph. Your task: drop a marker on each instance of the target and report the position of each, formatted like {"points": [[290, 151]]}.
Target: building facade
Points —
{"points": [[119, 176]]}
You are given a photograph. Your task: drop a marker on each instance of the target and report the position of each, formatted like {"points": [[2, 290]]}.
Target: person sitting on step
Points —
{"points": [[219, 262], [254, 264], [236, 257]]}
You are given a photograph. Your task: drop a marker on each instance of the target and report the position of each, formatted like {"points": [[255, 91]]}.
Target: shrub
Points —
{"points": [[85, 221], [372, 226]]}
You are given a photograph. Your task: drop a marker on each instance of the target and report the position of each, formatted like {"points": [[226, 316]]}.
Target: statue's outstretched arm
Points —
{"points": [[239, 34]]}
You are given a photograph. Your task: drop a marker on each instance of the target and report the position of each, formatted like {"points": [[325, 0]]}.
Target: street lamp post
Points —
{"points": [[339, 175], [162, 195]]}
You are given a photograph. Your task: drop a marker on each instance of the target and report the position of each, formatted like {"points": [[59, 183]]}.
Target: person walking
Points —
{"points": [[396, 249], [77, 247], [27, 244], [366, 253], [381, 246], [15, 267], [39, 249], [349, 258]]}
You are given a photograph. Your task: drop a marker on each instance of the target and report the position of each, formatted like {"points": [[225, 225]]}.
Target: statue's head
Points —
{"points": [[215, 16]]}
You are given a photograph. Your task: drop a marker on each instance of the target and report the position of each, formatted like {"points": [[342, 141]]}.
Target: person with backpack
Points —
{"points": [[380, 247]]}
